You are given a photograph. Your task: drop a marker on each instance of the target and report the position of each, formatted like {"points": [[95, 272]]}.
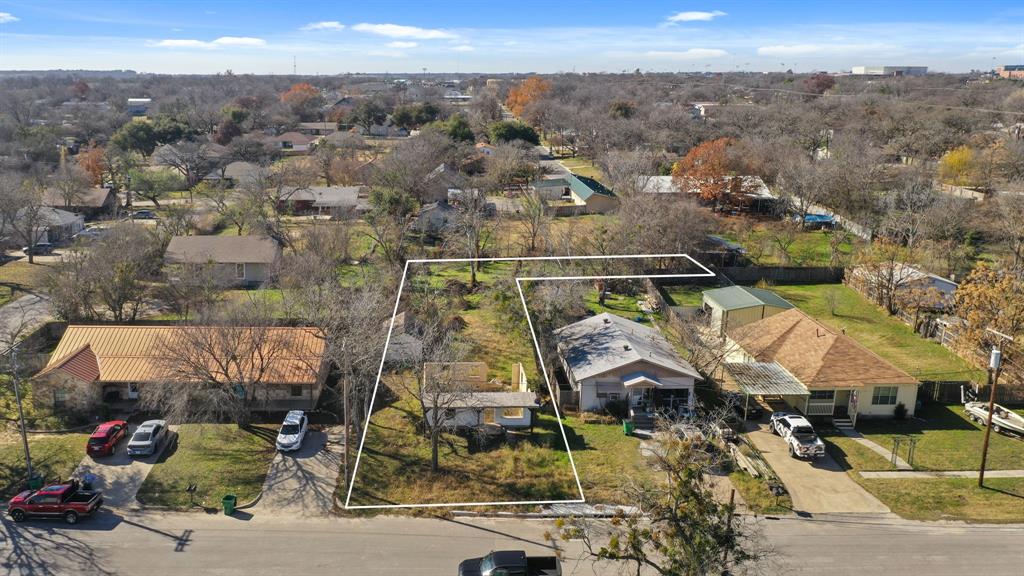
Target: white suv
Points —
{"points": [[799, 435]]}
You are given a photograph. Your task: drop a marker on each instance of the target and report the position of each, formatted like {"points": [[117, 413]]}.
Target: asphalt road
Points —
{"points": [[122, 543]]}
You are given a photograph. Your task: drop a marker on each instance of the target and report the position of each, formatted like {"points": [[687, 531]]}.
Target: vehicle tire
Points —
{"points": [[792, 453], [71, 517], [996, 428], [18, 515]]}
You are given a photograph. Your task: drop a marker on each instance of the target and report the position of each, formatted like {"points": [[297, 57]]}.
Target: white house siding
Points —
{"points": [[905, 394], [611, 382], [468, 417]]}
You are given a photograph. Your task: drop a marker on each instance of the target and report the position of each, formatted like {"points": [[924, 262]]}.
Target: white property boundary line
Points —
{"points": [[522, 297]]}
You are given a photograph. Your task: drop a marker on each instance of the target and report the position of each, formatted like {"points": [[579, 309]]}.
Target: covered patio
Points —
{"points": [[765, 379]]}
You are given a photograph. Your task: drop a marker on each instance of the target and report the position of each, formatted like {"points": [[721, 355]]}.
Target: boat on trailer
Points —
{"points": [[1004, 420]]}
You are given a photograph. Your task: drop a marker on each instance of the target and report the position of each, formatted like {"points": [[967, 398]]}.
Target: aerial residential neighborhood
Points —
{"points": [[579, 288]]}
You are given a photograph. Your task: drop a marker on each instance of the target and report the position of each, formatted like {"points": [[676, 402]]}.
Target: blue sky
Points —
{"points": [[184, 36]]}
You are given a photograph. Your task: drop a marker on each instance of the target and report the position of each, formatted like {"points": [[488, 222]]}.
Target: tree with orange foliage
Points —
{"points": [[93, 160], [708, 171], [304, 100], [527, 92]]}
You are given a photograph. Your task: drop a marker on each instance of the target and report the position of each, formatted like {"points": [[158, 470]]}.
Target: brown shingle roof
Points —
{"points": [[138, 353], [819, 356], [94, 197], [222, 249]]}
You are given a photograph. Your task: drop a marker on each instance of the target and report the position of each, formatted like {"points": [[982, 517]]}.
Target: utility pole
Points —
{"points": [[994, 366], [21, 413]]}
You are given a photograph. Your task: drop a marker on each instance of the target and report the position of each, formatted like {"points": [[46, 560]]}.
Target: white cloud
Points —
{"points": [[691, 54], [695, 16], [401, 44], [788, 49], [332, 25], [399, 31], [7, 17], [219, 42], [463, 48]]}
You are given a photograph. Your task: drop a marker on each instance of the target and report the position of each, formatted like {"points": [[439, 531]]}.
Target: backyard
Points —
{"points": [[808, 248], [220, 458]]}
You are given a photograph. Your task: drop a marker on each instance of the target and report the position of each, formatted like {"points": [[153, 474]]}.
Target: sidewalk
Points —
{"points": [[901, 464], [944, 474]]}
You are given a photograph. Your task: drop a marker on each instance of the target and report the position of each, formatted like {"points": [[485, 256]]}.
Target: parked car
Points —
{"points": [[144, 215], [739, 403], [148, 437], [510, 562], [90, 234], [798, 433], [293, 431], [39, 249], [65, 501], [103, 440]]}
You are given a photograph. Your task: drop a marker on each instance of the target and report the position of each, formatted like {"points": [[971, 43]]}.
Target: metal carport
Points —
{"points": [[761, 379]]}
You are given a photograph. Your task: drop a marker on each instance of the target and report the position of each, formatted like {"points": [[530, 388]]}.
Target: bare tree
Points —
{"points": [[70, 181], [193, 160], [22, 213], [473, 229], [629, 172], [533, 221]]}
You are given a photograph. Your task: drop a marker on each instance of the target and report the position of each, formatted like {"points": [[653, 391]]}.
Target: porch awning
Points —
{"points": [[639, 379], [762, 379]]}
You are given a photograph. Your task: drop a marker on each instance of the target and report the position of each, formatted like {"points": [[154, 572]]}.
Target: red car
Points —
{"points": [[104, 439], [59, 500]]}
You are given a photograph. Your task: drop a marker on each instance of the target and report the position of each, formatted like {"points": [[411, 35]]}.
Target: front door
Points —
{"points": [[640, 397]]}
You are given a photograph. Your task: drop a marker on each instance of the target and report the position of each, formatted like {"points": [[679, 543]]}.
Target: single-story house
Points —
{"points": [[734, 306], [435, 218], [474, 400], [54, 226], [291, 143], [340, 201], [246, 260], [573, 194], [234, 173], [112, 364], [139, 106], [607, 357], [938, 292], [661, 185], [89, 202], [386, 130], [844, 379]]}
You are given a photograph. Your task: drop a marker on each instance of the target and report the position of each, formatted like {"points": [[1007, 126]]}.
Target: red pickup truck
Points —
{"points": [[65, 501]]}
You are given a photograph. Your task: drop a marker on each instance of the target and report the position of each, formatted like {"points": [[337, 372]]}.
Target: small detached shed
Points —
{"points": [[735, 306], [507, 409]]}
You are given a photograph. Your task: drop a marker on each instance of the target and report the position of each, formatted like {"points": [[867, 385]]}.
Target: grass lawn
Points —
{"points": [[811, 247], [686, 295], [20, 276], [755, 493], [884, 335], [220, 458], [624, 305], [53, 456], [583, 167], [395, 463], [946, 440], [605, 458]]}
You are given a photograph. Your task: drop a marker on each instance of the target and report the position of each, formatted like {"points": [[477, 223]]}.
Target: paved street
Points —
{"points": [[187, 544]]}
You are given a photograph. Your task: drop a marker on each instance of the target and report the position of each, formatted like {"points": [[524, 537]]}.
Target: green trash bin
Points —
{"points": [[229, 502], [628, 427], [35, 482]]}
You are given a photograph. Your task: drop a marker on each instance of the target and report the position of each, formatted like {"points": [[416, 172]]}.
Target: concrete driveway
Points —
{"points": [[818, 486], [302, 483], [25, 313], [120, 476]]}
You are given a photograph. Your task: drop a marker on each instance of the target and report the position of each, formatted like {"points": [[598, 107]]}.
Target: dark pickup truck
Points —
{"points": [[510, 563], [65, 501]]}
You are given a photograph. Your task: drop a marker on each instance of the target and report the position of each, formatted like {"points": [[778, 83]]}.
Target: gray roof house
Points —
{"points": [[244, 260], [54, 226], [608, 357], [236, 172]]}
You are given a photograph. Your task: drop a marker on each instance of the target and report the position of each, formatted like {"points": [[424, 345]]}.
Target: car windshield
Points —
{"points": [[289, 429], [141, 437], [487, 564]]}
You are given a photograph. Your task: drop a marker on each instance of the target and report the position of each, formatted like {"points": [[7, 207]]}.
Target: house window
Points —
{"points": [[240, 271], [512, 412], [297, 390], [60, 397], [823, 394], [884, 396]]}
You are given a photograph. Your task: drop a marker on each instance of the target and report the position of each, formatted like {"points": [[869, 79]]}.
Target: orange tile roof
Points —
{"points": [[819, 356], [138, 353]]}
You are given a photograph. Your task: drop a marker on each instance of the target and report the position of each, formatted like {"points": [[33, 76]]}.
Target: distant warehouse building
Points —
{"points": [[890, 70], [1011, 71]]}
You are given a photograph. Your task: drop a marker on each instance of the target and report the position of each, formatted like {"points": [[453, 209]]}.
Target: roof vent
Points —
{"points": [[607, 320], [626, 347]]}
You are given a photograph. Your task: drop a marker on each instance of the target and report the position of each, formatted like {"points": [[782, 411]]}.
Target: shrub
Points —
{"points": [[900, 411], [617, 408]]}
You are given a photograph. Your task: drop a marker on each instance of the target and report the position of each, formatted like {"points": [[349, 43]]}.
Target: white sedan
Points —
{"points": [[293, 431]]}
